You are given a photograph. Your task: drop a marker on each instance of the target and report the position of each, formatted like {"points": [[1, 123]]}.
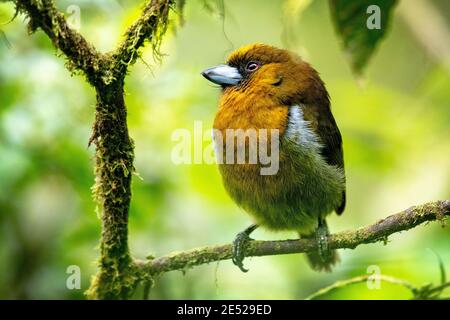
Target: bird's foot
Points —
{"points": [[322, 234], [239, 245]]}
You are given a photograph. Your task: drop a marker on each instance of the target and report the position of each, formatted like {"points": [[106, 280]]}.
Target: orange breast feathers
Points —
{"points": [[263, 101], [249, 114], [255, 105]]}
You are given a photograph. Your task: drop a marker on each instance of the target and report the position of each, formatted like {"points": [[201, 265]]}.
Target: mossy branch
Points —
{"points": [[118, 275], [151, 26], [379, 231], [82, 56]]}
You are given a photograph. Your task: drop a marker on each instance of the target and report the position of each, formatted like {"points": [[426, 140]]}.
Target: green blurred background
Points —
{"points": [[395, 126]]}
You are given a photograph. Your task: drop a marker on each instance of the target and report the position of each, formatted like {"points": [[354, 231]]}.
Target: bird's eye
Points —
{"points": [[251, 66]]}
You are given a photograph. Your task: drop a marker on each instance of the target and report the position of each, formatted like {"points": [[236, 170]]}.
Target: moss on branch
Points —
{"points": [[81, 55], [379, 231], [151, 26], [118, 275], [113, 170]]}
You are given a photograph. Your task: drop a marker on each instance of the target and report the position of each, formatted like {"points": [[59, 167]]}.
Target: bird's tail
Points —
{"points": [[323, 259], [320, 263]]}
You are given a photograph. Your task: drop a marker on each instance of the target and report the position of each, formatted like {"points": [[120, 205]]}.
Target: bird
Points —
{"points": [[267, 88]]}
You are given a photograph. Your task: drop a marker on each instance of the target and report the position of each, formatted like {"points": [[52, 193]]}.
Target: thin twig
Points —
{"points": [[427, 291], [361, 279]]}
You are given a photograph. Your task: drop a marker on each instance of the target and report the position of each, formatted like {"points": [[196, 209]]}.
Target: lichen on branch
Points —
{"points": [[113, 170], [151, 26], [379, 231], [81, 55]]}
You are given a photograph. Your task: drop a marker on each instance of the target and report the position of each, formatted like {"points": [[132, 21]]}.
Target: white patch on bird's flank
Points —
{"points": [[298, 130]]}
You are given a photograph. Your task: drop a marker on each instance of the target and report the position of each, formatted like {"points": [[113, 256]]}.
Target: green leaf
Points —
{"points": [[441, 267], [361, 25], [5, 40], [215, 7]]}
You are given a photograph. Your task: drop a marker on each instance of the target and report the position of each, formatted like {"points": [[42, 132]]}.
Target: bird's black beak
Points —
{"points": [[223, 75]]}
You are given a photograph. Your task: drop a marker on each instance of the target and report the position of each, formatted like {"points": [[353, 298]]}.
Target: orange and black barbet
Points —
{"points": [[264, 87]]}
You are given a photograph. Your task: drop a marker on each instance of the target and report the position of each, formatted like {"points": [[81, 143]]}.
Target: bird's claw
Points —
{"points": [[239, 246]]}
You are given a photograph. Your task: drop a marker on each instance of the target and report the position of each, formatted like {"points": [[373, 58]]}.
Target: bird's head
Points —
{"points": [[269, 70]]}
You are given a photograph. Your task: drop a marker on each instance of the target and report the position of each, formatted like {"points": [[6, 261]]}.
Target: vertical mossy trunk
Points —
{"points": [[117, 276]]}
